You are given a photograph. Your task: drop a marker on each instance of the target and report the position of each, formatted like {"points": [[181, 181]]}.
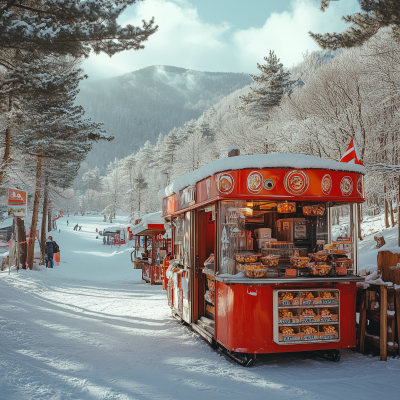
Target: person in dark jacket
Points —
{"points": [[49, 252]]}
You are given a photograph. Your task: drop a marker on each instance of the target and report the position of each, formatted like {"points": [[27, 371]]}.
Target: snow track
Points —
{"points": [[91, 329]]}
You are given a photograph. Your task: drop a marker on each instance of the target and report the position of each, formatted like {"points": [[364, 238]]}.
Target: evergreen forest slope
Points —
{"points": [[138, 106]]}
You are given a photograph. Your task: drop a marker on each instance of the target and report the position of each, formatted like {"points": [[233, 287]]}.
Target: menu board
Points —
{"points": [[304, 316]]}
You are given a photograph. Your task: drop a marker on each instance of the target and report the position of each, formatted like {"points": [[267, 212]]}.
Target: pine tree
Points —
{"points": [[140, 184], [68, 27], [270, 86], [376, 14]]}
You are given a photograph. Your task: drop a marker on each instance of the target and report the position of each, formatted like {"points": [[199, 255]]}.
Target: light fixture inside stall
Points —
{"points": [[247, 211]]}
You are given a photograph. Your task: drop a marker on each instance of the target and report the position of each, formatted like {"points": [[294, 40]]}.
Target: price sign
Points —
{"points": [[286, 302], [308, 302], [310, 337], [289, 338], [309, 320], [285, 321], [326, 319], [328, 337], [329, 301]]}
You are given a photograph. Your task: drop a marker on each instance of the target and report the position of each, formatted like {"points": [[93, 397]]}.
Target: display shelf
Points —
{"points": [[289, 331]]}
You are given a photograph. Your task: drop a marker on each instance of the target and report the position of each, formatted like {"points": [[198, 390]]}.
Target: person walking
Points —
{"points": [[49, 252], [67, 222]]}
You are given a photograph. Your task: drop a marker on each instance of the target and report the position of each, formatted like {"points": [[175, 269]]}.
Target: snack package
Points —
{"points": [[286, 208], [309, 333], [328, 332], [308, 316], [288, 299], [309, 298], [326, 315], [289, 334], [247, 257], [314, 209], [328, 297], [270, 260], [288, 316], [211, 284]]}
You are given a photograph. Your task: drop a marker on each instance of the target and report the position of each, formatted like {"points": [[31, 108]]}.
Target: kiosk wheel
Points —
{"points": [[330, 355], [244, 359]]}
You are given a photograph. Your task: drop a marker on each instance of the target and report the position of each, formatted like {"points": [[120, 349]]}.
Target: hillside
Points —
{"points": [[138, 106]]}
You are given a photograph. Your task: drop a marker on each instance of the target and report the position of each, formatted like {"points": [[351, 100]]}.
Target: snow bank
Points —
{"points": [[259, 161]]}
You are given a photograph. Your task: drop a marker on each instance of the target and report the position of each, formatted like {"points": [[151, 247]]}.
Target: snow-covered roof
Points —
{"points": [[259, 161], [153, 218]]}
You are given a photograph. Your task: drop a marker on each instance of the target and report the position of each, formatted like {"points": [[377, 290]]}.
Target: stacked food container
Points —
{"points": [[306, 316]]}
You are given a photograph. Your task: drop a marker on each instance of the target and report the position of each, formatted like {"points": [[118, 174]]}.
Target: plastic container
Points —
{"points": [[318, 257], [255, 270], [261, 242], [240, 267], [301, 262], [263, 233], [319, 269], [270, 260], [247, 257], [344, 262]]}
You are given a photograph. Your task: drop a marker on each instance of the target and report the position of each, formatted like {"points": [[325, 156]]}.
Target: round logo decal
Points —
{"points": [[346, 186], [225, 183], [326, 184], [254, 182], [360, 186], [296, 182]]}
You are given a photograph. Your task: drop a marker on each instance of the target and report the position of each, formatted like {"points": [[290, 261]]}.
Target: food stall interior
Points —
{"points": [[267, 238]]}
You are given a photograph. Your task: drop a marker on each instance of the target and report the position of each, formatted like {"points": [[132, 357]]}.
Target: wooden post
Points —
{"points": [[397, 305], [362, 324], [383, 316]]}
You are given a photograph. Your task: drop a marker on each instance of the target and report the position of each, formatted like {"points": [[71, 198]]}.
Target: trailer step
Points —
{"points": [[203, 332], [205, 326], [208, 321]]}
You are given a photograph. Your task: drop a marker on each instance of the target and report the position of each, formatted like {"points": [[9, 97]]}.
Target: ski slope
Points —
{"points": [[92, 329]]}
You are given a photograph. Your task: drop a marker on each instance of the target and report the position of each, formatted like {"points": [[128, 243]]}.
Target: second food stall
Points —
{"points": [[264, 256], [150, 246]]}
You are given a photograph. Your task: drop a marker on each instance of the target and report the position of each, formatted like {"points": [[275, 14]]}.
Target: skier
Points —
{"points": [[67, 222], [76, 227], [49, 252]]}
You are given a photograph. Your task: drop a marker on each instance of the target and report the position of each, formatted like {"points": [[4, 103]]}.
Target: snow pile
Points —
{"points": [[259, 161], [153, 218]]}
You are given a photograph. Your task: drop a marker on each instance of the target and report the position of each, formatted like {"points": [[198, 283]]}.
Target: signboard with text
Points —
{"points": [[17, 203]]}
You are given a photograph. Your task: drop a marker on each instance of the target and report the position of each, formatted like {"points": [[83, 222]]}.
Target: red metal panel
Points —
{"points": [[159, 227], [244, 318], [288, 184]]}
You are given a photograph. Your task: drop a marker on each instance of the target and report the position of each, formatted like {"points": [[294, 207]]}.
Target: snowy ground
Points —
{"points": [[91, 329]]}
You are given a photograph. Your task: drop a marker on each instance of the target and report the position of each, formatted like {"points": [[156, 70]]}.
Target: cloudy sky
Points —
{"points": [[223, 35]]}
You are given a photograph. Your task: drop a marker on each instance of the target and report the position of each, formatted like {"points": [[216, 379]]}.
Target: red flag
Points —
{"points": [[352, 155]]}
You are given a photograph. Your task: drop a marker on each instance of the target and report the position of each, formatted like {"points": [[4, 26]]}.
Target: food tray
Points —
{"points": [[310, 298], [327, 315], [289, 334], [211, 284], [328, 332], [309, 333], [288, 316], [270, 260], [308, 316], [319, 269], [329, 297], [288, 299], [255, 270], [286, 208], [247, 257], [318, 257], [318, 209]]}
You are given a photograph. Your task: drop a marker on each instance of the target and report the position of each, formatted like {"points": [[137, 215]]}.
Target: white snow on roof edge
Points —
{"points": [[259, 161]]}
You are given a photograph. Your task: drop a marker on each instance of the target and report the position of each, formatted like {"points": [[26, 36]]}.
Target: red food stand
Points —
{"points": [[151, 228], [264, 256]]}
